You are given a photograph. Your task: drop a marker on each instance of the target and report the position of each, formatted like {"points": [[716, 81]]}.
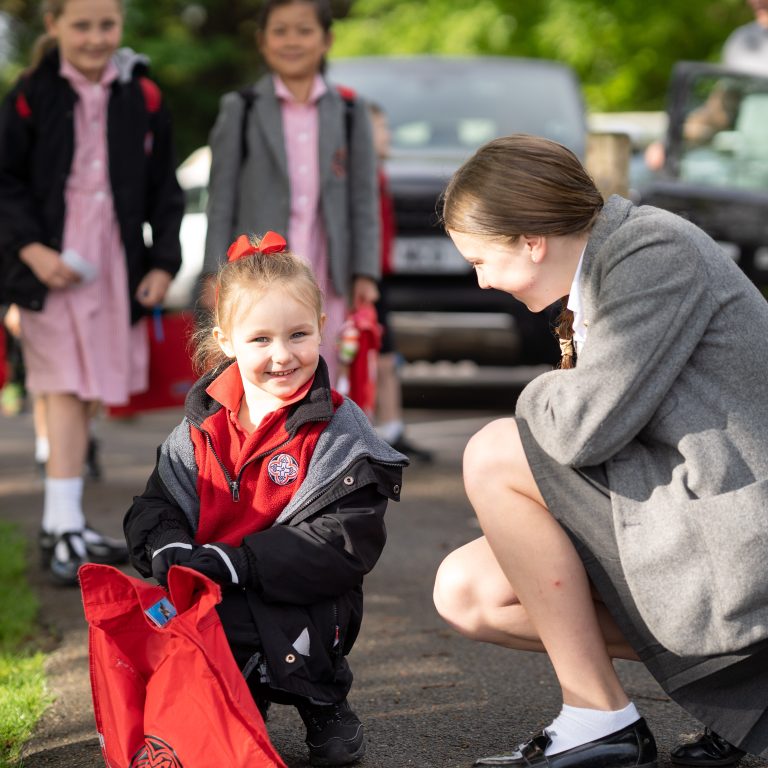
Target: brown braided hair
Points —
{"points": [[564, 333], [524, 185]]}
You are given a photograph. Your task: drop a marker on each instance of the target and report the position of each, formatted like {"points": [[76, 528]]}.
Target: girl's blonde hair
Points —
{"points": [[524, 185], [242, 283], [46, 42]]}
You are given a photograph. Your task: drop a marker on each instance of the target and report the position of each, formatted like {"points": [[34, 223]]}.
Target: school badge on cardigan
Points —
{"points": [[283, 469]]}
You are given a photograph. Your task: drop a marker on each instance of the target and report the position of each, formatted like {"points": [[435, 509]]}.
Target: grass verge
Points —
{"points": [[23, 694]]}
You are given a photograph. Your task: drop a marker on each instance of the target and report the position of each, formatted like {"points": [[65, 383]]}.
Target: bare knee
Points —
{"points": [[456, 596], [495, 461]]}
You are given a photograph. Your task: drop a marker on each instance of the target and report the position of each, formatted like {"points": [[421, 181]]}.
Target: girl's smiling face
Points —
{"points": [[524, 268], [276, 342], [88, 33], [293, 42]]}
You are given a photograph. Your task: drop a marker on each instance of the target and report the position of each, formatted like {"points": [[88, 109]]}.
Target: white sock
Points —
{"points": [[42, 450], [63, 506], [576, 725], [390, 430]]}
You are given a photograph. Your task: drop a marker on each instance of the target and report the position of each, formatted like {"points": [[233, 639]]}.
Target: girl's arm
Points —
{"points": [[363, 198], [324, 556], [156, 522], [226, 146], [165, 198], [652, 309], [19, 214]]}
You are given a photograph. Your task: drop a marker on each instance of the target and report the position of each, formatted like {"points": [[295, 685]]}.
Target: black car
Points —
{"points": [[440, 110]]}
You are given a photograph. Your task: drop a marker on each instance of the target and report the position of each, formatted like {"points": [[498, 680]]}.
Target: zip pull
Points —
{"points": [[234, 486]]}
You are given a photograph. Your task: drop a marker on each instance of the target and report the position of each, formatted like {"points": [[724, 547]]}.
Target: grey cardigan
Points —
{"points": [[670, 394], [254, 196]]}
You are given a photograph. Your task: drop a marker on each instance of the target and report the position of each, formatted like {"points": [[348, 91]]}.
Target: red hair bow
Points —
{"points": [[242, 247]]}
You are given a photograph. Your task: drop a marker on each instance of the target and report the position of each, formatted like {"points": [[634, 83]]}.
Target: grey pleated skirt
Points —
{"points": [[727, 693]]}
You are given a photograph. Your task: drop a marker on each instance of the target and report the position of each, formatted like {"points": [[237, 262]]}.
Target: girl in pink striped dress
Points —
{"points": [[85, 160]]}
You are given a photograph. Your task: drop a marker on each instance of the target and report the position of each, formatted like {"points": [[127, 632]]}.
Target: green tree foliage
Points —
{"points": [[622, 50], [199, 50]]}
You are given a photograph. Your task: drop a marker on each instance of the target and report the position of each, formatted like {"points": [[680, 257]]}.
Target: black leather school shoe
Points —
{"points": [[631, 747], [708, 749]]}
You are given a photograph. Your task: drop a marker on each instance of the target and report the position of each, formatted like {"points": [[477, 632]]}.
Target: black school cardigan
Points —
{"points": [[37, 141]]}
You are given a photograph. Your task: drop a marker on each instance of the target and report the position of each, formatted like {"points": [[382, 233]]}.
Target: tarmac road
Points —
{"points": [[428, 697]]}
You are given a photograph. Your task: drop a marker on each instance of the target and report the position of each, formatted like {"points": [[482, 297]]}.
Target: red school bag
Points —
{"points": [[166, 689], [171, 373]]}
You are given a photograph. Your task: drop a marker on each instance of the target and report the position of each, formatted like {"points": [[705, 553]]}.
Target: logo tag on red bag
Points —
{"points": [[155, 754], [161, 612]]}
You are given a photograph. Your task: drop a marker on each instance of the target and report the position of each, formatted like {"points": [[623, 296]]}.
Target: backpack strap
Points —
{"points": [[23, 110], [248, 95], [349, 96], [153, 96], [153, 99]]}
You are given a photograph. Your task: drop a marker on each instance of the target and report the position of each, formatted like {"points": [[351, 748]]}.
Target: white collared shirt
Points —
{"points": [[576, 306]]}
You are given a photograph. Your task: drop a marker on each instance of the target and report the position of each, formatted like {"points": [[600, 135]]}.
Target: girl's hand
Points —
{"points": [[364, 291], [12, 320], [48, 266], [153, 287]]}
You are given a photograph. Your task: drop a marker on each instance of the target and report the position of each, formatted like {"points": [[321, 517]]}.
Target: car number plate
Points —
{"points": [[427, 254]]}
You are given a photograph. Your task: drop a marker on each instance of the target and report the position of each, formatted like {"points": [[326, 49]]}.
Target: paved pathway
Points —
{"points": [[428, 697]]}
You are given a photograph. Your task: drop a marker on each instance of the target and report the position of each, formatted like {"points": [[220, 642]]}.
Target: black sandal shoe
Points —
{"points": [[99, 548], [67, 555], [104, 549]]}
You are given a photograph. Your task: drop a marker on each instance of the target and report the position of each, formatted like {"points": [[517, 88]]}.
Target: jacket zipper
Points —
{"points": [[234, 485]]}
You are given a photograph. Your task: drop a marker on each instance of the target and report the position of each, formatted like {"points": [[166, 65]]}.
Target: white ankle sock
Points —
{"points": [[576, 725], [63, 507], [390, 430], [42, 450]]}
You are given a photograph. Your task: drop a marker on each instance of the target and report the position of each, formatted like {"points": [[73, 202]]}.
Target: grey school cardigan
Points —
{"points": [[670, 394], [253, 196]]}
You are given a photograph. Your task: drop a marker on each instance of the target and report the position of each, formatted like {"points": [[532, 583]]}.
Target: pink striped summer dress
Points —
{"points": [[82, 342]]}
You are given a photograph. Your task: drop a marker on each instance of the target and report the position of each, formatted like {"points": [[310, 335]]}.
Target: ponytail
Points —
{"points": [[43, 45]]}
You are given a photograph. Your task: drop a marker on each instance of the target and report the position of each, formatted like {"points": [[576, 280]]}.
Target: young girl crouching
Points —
{"points": [[274, 486]]}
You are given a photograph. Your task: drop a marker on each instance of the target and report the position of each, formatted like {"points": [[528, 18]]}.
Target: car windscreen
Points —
{"points": [[721, 135], [453, 106]]}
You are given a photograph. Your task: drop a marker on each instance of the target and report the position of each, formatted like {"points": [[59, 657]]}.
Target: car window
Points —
{"points": [[724, 132], [455, 105]]}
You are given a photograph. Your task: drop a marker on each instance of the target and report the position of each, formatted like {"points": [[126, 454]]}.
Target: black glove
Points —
{"points": [[222, 563], [166, 547]]}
